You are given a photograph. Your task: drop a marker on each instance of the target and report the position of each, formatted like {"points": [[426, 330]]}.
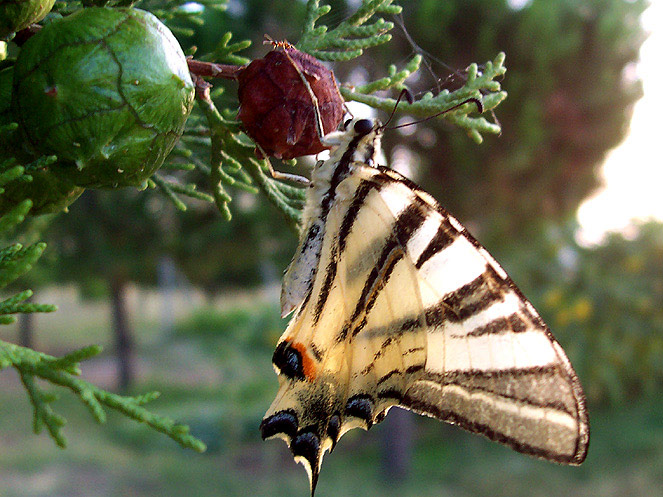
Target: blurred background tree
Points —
{"points": [[570, 102], [250, 251], [112, 239], [571, 92], [109, 240]]}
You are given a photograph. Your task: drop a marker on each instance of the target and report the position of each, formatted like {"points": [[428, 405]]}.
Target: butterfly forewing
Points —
{"points": [[375, 266], [492, 365], [399, 305]]}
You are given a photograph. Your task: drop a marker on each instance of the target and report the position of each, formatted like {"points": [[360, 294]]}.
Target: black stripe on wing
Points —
{"points": [[375, 282], [409, 221], [365, 187], [455, 308], [428, 199], [540, 386], [340, 173], [509, 324], [421, 406], [444, 236], [330, 275], [425, 404], [470, 299]]}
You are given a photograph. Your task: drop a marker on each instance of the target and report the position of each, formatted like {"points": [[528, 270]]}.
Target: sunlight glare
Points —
{"points": [[632, 173]]}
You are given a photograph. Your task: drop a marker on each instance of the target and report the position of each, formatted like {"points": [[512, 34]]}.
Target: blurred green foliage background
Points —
{"points": [[199, 295]]}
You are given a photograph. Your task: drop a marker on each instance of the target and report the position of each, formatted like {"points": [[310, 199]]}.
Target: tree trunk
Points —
{"points": [[26, 325], [123, 341], [397, 445], [167, 280]]}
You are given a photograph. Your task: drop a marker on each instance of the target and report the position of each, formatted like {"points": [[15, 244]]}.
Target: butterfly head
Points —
{"points": [[361, 127], [360, 137]]}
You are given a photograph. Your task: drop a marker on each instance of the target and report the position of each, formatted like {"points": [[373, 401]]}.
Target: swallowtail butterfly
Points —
{"points": [[395, 304]]}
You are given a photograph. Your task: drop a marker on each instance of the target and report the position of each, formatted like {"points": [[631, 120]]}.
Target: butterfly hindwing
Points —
{"points": [[399, 305], [329, 362]]}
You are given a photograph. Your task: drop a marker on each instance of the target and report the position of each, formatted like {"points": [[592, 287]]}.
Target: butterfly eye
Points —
{"points": [[363, 127], [347, 123]]}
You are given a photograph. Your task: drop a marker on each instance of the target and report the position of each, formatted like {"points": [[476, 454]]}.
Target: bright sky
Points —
{"points": [[633, 172]]}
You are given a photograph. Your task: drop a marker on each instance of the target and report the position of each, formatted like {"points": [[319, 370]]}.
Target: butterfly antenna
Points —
{"points": [[476, 101], [426, 55], [405, 93], [496, 121]]}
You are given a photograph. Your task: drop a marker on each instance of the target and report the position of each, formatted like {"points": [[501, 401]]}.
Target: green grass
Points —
{"points": [[124, 459], [215, 374]]}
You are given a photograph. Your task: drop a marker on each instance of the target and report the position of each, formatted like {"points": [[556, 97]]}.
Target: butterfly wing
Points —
{"points": [[406, 308], [492, 365]]}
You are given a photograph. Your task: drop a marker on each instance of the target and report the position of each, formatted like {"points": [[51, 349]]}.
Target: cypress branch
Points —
{"points": [[476, 85], [226, 53], [232, 160], [351, 36], [15, 216], [19, 262], [12, 173], [166, 188], [15, 260], [64, 372], [41, 163]]}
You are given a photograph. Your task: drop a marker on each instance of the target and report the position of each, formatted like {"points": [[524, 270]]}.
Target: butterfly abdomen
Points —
{"points": [[323, 192]]}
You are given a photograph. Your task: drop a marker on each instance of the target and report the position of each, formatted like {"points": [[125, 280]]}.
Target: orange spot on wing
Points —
{"points": [[307, 362]]}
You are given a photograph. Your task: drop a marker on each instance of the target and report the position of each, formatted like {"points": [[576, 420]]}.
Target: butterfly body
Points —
{"points": [[395, 304], [327, 190]]}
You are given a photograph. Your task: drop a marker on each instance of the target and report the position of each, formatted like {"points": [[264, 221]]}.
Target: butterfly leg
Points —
{"points": [[278, 175], [295, 178], [314, 100]]}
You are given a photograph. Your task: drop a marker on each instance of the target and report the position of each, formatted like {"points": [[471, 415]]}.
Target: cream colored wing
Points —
{"points": [[492, 365], [408, 309]]}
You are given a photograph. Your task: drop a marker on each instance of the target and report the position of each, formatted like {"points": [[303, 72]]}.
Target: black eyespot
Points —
{"points": [[334, 428], [281, 422], [289, 361], [363, 127], [307, 445], [346, 124], [360, 406]]}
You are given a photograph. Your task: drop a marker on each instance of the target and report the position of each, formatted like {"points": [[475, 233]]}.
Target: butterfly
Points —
{"points": [[394, 303]]}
